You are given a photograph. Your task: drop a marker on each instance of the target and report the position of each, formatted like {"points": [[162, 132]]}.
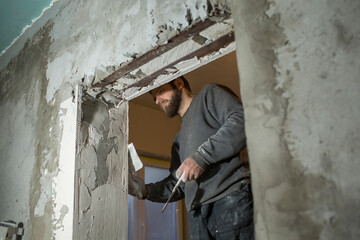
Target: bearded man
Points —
{"points": [[206, 152]]}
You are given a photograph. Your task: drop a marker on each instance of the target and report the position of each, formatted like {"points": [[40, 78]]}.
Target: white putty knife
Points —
{"points": [[134, 157]]}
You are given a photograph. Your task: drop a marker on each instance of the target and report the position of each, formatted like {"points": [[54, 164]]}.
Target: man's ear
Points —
{"points": [[179, 83]]}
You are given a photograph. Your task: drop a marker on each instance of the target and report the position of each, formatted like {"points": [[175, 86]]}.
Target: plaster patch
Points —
{"points": [[46, 192], [63, 182], [108, 198], [94, 136], [105, 224], [85, 199], [59, 222], [54, 73], [134, 9], [278, 218], [17, 153]]}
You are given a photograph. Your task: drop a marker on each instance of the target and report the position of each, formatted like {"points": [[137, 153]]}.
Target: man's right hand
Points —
{"points": [[190, 168], [137, 187]]}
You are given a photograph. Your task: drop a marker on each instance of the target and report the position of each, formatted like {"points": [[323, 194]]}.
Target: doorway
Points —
{"points": [[152, 132]]}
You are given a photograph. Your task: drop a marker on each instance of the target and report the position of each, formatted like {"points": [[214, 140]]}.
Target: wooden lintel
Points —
{"points": [[205, 50], [138, 62]]}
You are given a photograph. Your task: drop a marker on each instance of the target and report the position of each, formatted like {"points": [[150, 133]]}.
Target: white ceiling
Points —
{"points": [[223, 70]]}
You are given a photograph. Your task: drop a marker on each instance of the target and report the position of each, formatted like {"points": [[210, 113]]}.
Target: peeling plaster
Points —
{"points": [[180, 69], [97, 36], [18, 144], [55, 174], [210, 34]]}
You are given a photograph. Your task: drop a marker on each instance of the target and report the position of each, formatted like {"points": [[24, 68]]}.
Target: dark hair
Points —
{"points": [[186, 83]]}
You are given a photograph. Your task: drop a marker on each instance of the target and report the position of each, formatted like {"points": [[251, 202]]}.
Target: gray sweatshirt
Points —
{"points": [[212, 133]]}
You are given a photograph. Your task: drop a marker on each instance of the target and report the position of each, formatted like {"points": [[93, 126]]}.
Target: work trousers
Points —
{"points": [[230, 217]]}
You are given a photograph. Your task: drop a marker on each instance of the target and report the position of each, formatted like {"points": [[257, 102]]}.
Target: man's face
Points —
{"points": [[168, 98]]}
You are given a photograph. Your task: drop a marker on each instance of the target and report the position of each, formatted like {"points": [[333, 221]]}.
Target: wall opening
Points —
{"points": [[152, 132], [201, 45]]}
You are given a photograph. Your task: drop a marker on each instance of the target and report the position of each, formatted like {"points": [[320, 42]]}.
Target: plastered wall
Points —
{"points": [[100, 210], [74, 42], [299, 69]]}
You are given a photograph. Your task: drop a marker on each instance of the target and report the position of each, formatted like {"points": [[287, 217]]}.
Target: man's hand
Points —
{"points": [[190, 169], [137, 187]]}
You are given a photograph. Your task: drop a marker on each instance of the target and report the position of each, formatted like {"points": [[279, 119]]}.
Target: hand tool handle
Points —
{"points": [[173, 192]]}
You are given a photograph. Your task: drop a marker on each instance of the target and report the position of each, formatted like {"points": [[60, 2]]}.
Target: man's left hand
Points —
{"points": [[190, 169]]}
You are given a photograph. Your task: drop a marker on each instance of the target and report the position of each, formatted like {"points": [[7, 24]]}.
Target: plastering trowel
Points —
{"points": [[134, 159]]}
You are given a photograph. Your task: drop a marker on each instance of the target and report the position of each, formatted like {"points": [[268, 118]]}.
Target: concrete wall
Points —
{"points": [[299, 69], [74, 42]]}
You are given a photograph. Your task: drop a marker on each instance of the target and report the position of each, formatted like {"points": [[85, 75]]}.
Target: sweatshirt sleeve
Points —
{"points": [[160, 191], [225, 107]]}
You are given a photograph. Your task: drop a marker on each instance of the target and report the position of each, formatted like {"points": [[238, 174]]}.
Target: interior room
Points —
{"points": [[152, 133]]}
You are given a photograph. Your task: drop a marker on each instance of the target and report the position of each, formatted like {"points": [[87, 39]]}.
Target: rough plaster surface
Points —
{"points": [[113, 34], [101, 173], [299, 71], [30, 130], [73, 42]]}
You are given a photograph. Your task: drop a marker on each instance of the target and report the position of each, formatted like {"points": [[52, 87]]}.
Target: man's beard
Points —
{"points": [[172, 109]]}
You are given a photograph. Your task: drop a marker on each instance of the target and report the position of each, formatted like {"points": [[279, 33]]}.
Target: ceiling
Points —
{"points": [[223, 70], [15, 15]]}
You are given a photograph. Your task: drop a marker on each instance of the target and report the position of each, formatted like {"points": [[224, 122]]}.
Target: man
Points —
{"points": [[207, 150]]}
